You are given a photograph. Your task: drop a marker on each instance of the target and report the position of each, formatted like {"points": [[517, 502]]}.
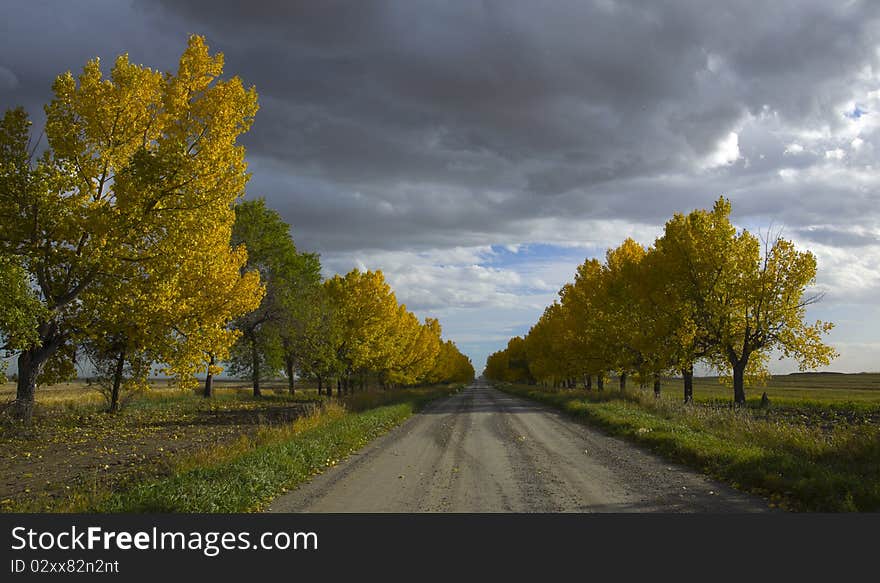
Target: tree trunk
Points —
{"points": [[255, 368], [739, 373], [289, 369], [600, 382], [588, 382], [688, 374], [318, 378], [622, 382], [338, 386], [209, 379], [657, 386], [28, 371], [30, 365], [117, 382]]}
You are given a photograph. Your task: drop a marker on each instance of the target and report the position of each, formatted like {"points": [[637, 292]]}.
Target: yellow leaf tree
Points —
{"points": [[450, 366], [417, 347], [743, 300], [582, 302], [366, 311], [141, 175]]}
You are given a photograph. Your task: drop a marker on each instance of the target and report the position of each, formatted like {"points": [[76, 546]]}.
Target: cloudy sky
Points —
{"points": [[477, 151]]}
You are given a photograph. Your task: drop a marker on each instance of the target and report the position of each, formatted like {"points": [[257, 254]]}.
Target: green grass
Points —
{"points": [[248, 474], [781, 453]]}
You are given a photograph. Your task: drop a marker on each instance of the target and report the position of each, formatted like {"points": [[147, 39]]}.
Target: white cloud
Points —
{"points": [[726, 152], [846, 274], [439, 279], [787, 173], [481, 297]]}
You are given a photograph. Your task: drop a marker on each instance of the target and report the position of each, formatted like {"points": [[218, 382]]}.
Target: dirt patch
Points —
{"points": [[70, 450]]}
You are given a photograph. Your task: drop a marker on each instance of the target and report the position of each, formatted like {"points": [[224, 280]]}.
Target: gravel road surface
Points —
{"points": [[483, 450]]}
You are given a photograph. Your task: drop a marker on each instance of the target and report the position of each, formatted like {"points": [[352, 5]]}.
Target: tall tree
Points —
{"points": [[620, 317], [322, 335], [687, 273], [133, 161], [745, 301], [582, 302], [417, 347], [272, 254], [366, 311], [300, 315]]}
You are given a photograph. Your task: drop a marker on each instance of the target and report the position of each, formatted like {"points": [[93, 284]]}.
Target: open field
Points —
{"points": [[820, 388], [816, 447], [73, 453], [78, 393]]}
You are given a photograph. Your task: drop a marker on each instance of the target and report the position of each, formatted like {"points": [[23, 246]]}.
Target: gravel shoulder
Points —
{"points": [[482, 450]]}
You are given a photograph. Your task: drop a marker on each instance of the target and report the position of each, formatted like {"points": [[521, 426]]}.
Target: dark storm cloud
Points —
{"points": [[593, 105], [40, 40], [411, 123]]}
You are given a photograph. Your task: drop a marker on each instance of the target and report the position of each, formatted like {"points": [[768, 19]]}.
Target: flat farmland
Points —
{"points": [[74, 450], [818, 388]]}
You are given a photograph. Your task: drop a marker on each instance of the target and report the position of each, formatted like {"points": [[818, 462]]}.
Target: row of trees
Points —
{"points": [[348, 328], [125, 242], [703, 293]]}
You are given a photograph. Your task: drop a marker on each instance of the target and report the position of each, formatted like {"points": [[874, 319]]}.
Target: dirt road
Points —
{"points": [[482, 450]]}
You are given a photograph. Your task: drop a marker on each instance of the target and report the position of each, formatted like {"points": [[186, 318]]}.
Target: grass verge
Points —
{"points": [[796, 464], [246, 475]]}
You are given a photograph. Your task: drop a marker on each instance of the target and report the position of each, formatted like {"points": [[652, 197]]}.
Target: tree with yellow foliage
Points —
{"points": [[620, 319], [139, 165], [581, 303], [416, 347], [550, 352], [704, 292], [689, 268], [747, 300], [450, 366], [511, 364], [366, 311], [637, 328]]}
